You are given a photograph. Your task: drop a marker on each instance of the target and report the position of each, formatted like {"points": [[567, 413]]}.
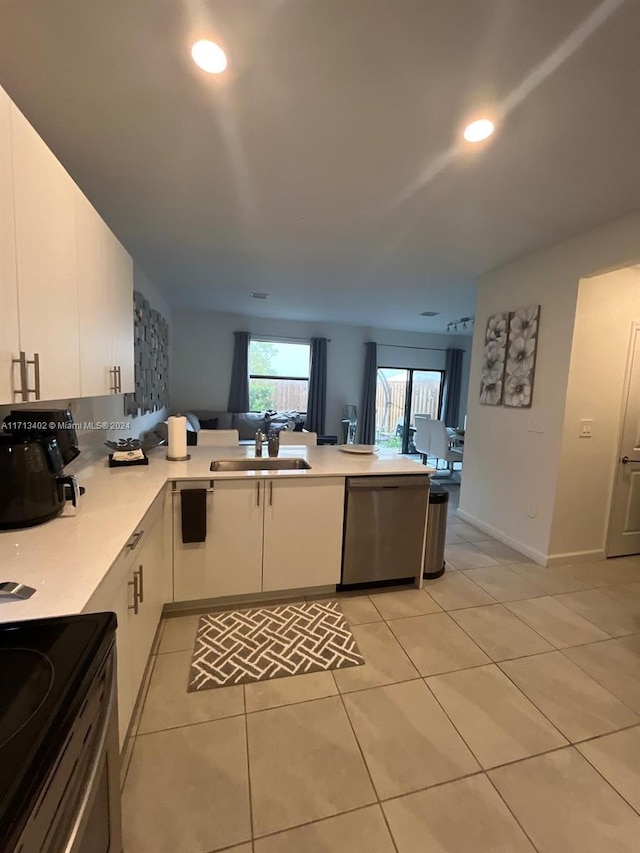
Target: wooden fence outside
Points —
{"points": [[390, 400]]}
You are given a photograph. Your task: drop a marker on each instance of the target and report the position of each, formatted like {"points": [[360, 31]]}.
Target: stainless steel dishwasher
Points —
{"points": [[385, 520]]}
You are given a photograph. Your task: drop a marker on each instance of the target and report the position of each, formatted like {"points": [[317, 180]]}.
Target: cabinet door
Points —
{"points": [[44, 196], [94, 301], [9, 337], [302, 533], [124, 652], [120, 266], [230, 561], [149, 567]]}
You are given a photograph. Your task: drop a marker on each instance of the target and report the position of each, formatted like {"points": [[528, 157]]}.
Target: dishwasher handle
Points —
{"points": [[409, 481]]}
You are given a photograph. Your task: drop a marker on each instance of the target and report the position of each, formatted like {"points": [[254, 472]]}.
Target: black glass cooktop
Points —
{"points": [[46, 667]]}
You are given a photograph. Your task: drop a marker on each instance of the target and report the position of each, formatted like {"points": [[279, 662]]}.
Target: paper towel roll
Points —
{"points": [[177, 437]]}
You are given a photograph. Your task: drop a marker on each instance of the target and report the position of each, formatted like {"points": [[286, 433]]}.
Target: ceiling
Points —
{"points": [[325, 167]]}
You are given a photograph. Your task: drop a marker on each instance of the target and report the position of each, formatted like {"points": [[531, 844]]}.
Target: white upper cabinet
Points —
{"points": [[9, 336], [66, 283], [105, 303], [44, 204], [120, 266], [94, 303]]}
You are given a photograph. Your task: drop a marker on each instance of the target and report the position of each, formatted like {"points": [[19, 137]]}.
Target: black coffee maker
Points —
{"points": [[34, 448]]}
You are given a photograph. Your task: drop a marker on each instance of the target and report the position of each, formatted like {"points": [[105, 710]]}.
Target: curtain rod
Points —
{"points": [[404, 346], [300, 338]]}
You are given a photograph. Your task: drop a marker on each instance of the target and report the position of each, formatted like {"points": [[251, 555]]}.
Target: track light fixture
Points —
{"points": [[464, 322]]}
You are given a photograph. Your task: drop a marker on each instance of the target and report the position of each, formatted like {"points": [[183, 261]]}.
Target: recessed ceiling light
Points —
{"points": [[429, 313], [209, 56], [479, 130], [256, 295]]}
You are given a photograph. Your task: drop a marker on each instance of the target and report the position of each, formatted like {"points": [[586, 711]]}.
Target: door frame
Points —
{"points": [[633, 332], [404, 450]]}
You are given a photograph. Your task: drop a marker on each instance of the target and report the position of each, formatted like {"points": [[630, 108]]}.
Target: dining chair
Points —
{"points": [[218, 437], [439, 446], [422, 436], [288, 436]]}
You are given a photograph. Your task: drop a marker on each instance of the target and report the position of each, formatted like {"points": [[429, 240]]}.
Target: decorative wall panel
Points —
{"points": [[151, 359]]}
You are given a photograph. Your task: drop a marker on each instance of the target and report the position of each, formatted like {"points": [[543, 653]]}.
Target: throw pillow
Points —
{"points": [[193, 420], [209, 423]]}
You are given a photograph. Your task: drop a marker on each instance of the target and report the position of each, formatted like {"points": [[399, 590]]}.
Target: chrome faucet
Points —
{"points": [[260, 438]]}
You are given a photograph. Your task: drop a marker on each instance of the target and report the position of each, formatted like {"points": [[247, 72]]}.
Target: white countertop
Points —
{"points": [[66, 559]]}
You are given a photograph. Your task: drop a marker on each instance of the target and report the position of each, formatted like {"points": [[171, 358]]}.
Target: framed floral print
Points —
{"points": [[521, 357], [493, 359]]}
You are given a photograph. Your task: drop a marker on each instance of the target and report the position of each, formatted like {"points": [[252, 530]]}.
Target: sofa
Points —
{"points": [[247, 423]]}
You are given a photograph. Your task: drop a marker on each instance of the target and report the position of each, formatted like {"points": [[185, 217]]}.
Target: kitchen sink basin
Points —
{"points": [[270, 464]]}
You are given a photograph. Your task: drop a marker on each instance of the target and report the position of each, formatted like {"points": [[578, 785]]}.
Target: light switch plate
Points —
{"points": [[535, 426], [586, 428]]}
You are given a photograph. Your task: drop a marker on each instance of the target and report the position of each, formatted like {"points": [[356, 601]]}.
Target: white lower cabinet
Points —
{"points": [[229, 562], [264, 535], [137, 586], [302, 533]]}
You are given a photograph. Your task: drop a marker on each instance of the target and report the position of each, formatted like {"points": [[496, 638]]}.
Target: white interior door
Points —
{"points": [[624, 524]]}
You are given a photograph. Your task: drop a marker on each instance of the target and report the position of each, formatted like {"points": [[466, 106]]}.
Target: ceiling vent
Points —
{"points": [[255, 295], [429, 313]]}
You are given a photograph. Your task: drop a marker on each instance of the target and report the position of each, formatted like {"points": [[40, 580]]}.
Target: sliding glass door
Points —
{"points": [[402, 393]]}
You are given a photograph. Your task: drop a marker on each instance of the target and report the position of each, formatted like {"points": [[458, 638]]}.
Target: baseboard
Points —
{"points": [[571, 557], [537, 556]]}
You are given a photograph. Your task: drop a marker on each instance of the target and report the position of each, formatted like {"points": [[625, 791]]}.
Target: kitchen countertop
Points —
{"points": [[66, 559]]}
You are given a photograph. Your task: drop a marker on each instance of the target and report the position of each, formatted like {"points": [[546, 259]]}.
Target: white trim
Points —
{"points": [[536, 556], [571, 557]]}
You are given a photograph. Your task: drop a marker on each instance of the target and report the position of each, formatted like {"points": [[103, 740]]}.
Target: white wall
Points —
{"points": [[203, 353], [510, 470], [607, 307]]}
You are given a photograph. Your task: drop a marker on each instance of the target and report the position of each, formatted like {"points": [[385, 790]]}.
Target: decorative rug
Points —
{"points": [[240, 646]]}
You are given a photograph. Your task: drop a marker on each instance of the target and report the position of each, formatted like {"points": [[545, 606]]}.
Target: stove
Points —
{"points": [[56, 708]]}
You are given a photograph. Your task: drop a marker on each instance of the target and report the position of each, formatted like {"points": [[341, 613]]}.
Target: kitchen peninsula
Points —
{"points": [[121, 549]]}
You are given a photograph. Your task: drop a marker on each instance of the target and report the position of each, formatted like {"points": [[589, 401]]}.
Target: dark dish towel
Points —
{"points": [[194, 515]]}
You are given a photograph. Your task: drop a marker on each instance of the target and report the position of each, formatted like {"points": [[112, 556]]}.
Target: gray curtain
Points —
{"points": [[368, 407], [239, 389], [450, 412], [317, 403]]}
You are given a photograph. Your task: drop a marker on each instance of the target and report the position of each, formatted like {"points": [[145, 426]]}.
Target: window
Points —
{"points": [[278, 376]]}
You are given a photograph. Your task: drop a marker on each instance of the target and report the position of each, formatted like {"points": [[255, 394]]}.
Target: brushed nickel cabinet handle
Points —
{"points": [[270, 492], [257, 494], [23, 390], [140, 574], [134, 584], [36, 365], [119, 379], [133, 542], [113, 386]]}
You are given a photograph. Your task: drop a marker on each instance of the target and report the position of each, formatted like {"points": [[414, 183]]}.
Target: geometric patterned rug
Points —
{"points": [[240, 646]]}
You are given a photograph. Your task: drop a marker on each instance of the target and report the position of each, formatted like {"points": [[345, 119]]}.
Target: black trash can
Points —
{"points": [[436, 532]]}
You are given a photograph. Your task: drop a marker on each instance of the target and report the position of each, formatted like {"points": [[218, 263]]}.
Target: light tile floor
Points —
{"points": [[498, 709]]}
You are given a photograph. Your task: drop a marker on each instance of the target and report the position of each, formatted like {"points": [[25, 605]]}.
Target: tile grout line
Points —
{"points": [[511, 812], [599, 772], [606, 690], [246, 741], [364, 760], [597, 680]]}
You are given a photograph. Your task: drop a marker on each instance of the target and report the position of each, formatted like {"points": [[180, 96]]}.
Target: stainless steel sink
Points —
{"points": [[270, 464]]}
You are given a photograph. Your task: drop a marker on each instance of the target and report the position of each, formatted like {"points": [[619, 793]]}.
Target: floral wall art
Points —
{"points": [[509, 358], [521, 357], [493, 359]]}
